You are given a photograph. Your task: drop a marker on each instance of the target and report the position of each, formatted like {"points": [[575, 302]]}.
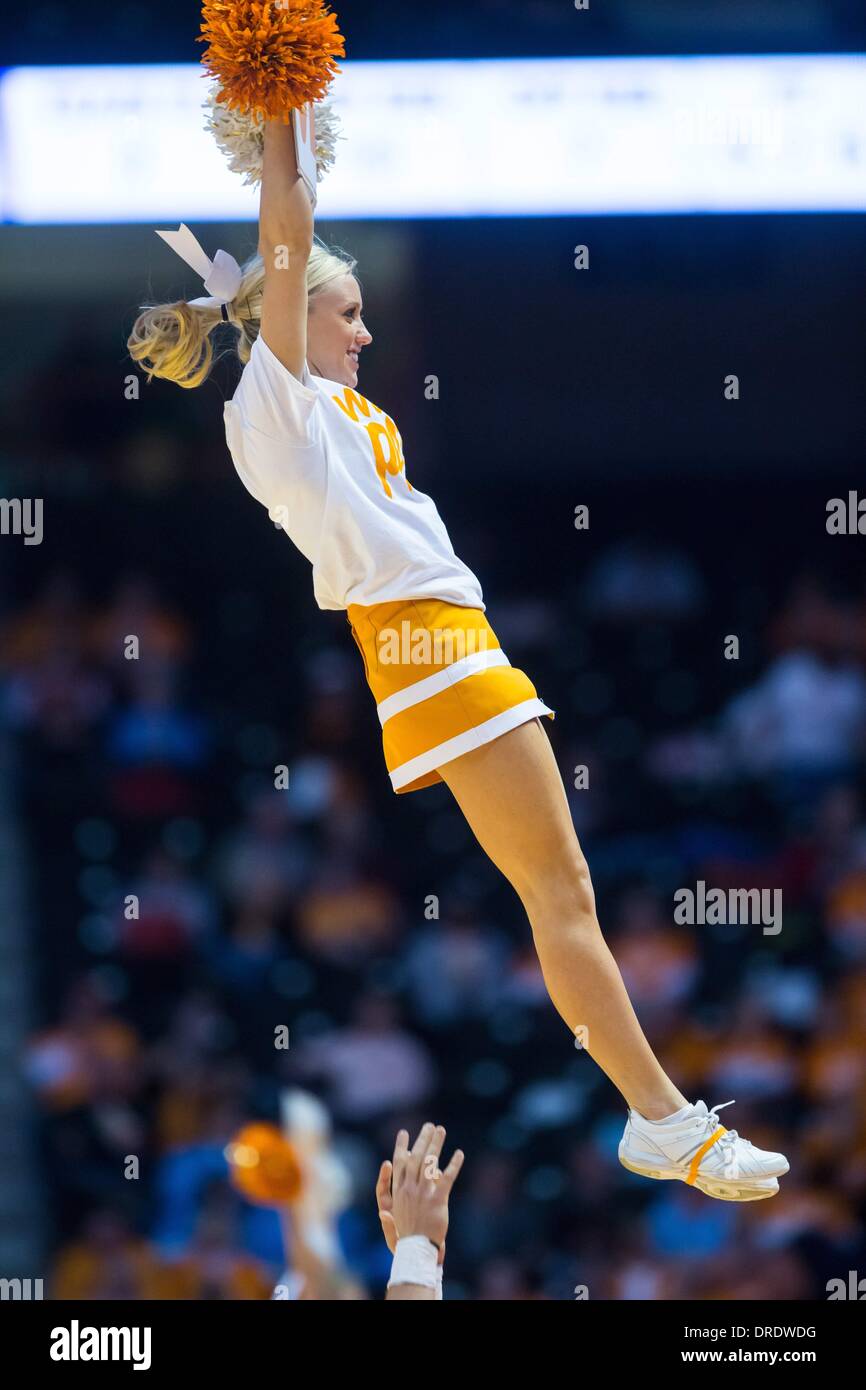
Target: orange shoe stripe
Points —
{"points": [[696, 1161]]}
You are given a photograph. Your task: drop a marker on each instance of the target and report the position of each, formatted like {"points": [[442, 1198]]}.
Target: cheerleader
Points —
{"points": [[330, 468]]}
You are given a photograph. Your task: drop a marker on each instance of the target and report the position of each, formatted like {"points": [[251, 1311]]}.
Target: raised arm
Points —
{"points": [[285, 241], [412, 1193]]}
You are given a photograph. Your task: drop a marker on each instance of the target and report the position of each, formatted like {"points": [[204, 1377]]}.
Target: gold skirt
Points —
{"points": [[441, 682]]}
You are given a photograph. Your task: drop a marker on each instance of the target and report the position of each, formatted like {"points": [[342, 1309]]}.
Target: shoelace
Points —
{"points": [[729, 1139]]}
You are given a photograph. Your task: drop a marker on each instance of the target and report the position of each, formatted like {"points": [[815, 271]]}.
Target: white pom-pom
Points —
{"points": [[241, 137]]}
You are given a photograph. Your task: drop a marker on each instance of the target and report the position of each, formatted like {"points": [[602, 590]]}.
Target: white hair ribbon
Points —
{"points": [[222, 275]]}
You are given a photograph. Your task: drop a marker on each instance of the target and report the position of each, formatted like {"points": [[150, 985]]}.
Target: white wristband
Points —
{"points": [[439, 1282], [415, 1262]]}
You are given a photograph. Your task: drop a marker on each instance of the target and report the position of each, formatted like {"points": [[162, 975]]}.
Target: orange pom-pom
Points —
{"points": [[270, 56], [263, 1165]]}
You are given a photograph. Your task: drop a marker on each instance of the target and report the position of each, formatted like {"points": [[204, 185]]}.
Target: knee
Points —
{"points": [[561, 893]]}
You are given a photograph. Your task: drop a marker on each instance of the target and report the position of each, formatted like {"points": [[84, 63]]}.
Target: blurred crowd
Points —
{"points": [[203, 874]]}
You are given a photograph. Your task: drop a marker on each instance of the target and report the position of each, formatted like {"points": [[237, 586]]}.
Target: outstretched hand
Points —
{"points": [[412, 1191]]}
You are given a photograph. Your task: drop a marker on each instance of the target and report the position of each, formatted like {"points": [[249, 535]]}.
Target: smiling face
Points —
{"points": [[336, 332]]}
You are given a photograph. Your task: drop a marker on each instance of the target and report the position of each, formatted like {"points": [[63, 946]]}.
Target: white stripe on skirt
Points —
{"points": [[472, 738], [440, 680]]}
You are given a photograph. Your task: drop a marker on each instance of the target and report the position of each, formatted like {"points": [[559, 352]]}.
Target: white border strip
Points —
{"points": [[429, 686], [473, 738]]}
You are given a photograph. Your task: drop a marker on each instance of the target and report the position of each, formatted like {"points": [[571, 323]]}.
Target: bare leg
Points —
{"points": [[512, 796]]}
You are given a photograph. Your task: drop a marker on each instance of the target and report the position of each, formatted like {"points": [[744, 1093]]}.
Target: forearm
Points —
{"points": [[410, 1293], [323, 1279], [285, 212]]}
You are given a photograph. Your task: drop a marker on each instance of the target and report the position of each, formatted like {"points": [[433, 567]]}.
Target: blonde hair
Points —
{"points": [[174, 340]]}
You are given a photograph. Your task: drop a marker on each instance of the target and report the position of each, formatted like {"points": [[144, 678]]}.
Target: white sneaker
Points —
{"points": [[700, 1152]]}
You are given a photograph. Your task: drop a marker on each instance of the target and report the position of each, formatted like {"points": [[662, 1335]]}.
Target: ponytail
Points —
{"points": [[174, 341]]}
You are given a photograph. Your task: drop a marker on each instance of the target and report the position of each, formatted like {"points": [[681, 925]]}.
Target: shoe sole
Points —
{"points": [[724, 1189]]}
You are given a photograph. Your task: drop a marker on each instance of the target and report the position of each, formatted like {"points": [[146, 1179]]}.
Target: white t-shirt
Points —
{"points": [[329, 467]]}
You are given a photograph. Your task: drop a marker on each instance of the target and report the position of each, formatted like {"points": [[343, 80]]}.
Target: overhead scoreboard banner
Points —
{"points": [[460, 138]]}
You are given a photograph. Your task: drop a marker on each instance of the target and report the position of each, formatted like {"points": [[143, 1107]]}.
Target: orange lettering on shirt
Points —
{"points": [[352, 403], [385, 439], [394, 436], [389, 462]]}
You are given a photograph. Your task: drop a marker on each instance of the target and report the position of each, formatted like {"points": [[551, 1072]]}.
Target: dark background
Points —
{"points": [[557, 388]]}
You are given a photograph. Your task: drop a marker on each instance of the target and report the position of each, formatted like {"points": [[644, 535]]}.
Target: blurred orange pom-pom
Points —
{"points": [[270, 56], [263, 1166]]}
